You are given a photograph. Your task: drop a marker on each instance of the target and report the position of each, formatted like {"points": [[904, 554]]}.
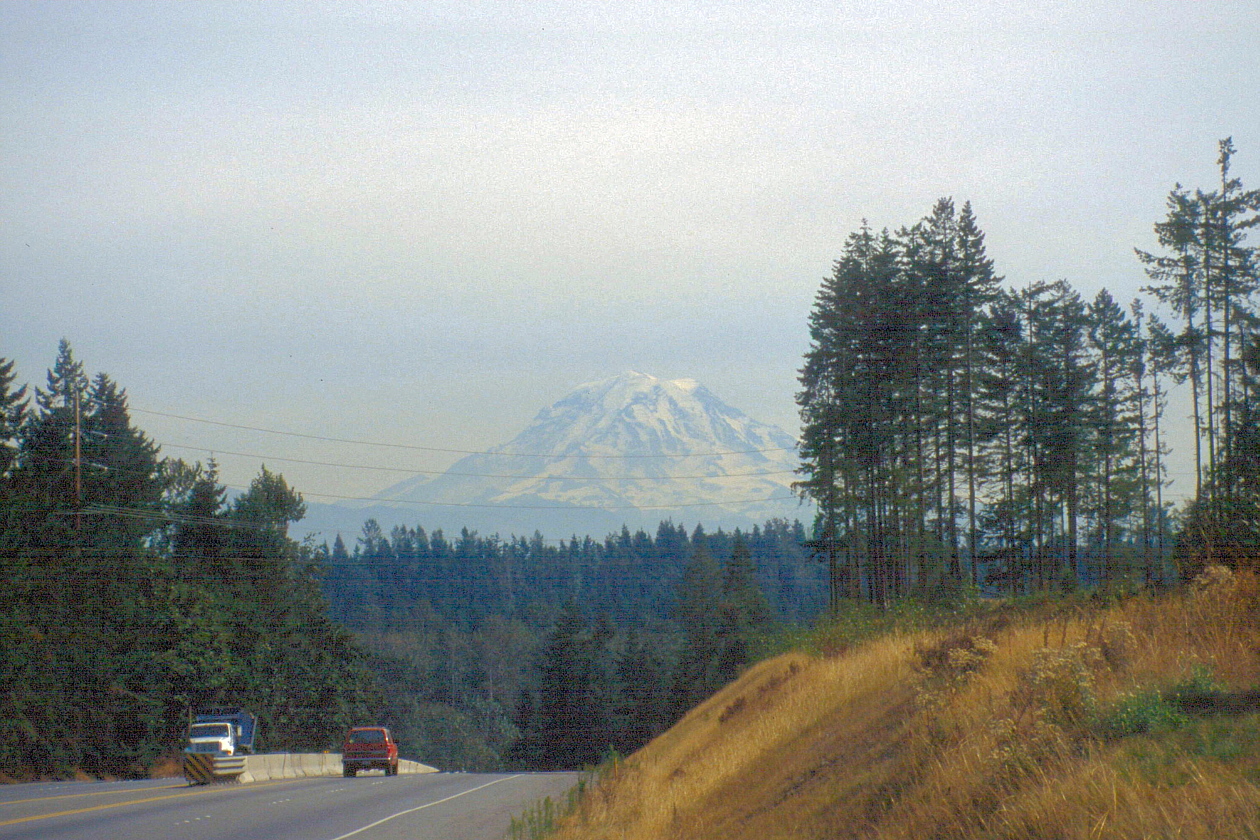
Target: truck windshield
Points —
{"points": [[209, 730], [367, 736]]}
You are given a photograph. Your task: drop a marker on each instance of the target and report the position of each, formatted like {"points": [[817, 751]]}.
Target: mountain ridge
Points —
{"points": [[628, 450]]}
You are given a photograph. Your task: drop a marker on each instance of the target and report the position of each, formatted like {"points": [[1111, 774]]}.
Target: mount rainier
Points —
{"points": [[631, 450]]}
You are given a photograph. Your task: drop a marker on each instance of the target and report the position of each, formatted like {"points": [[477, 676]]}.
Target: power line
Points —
{"points": [[611, 509], [264, 458], [410, 471], [553, 507], [442, 449], [165, 516]]}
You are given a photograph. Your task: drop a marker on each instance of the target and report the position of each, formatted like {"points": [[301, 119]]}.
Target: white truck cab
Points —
{"points": [[222, 731], [216, 737]]}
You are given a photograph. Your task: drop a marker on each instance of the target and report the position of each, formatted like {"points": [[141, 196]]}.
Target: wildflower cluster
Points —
{"points": [[1061, 683], [948, 667], [1118, 645], [1021, 745]]}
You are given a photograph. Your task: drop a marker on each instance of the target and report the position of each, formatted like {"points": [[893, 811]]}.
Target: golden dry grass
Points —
{"points": [[988, 730]]}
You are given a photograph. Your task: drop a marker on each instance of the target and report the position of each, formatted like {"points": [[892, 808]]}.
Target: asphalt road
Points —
{"points": [[430, 806]]}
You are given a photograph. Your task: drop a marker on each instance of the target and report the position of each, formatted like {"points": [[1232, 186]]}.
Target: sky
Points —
{"points": [[420, 223]]}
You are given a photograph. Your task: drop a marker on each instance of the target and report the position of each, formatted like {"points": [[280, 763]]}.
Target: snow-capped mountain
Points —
{"points": [[633, 449]]}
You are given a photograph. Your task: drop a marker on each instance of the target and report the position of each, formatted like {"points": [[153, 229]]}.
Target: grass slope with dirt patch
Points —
{"points": [[1069, 721]]}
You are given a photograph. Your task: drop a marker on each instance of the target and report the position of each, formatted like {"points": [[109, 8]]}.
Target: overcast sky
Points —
{"points": [[421, 223]]}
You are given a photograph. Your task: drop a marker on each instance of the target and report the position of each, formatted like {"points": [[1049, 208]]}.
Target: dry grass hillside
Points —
{"points": [[1136, 720]]}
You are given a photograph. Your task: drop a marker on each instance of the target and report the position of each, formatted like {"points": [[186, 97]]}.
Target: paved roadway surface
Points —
{"points": [[427, 806]]}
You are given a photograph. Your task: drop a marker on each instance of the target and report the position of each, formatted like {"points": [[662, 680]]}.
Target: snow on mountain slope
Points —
{"points": [[634, 447]]}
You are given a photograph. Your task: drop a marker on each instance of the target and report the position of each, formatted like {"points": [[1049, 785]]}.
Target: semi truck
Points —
{"points": [[222, 730]]}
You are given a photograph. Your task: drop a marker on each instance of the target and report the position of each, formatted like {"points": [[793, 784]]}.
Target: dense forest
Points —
{"points": [[493, 650], [957, 433], [134, 592]]}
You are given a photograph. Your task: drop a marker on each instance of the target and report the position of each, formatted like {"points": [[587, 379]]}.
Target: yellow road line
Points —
{"points": [[199, 790], [85, 793]]}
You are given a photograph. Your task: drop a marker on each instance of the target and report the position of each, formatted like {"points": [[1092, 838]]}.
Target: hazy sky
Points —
{"points": [[421, 223]]}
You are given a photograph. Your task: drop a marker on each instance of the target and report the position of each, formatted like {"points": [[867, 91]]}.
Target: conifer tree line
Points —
{"points": [[390, 581], [598, 690], [958, 432], [132, 592], [520, 653]]}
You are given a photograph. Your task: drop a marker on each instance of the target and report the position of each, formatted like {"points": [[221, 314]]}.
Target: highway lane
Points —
{"points": [[431, 806]]}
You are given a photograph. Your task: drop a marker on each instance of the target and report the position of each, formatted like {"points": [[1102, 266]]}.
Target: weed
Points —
{"points": [[956, 655], [1137, 713], [541, 819], [1021, 746], [1060, 685], [1200, 683], [1024, 739], [538, 821], [948, 666], [1175, 758], [1118, 644]]}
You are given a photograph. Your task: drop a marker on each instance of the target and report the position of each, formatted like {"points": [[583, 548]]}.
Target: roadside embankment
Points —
{"points": [[1105, 719]]}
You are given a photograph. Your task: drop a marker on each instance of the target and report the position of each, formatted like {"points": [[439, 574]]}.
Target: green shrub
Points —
{"points": [[536, 822], [1200, 683], [1137, 713]]}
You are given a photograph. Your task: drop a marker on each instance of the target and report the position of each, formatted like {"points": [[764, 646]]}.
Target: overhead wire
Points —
{"points": [[490, 545], [610, 508], [411, 471], [554, 507], [168, 516], [443, 449]]}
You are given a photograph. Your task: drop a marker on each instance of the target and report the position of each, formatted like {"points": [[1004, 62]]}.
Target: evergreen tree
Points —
{"points": [[1113, 428], [200, 538], [13, 406], [640, 709], [1229, 213], [980, 290], [1176, 277], [133, 595], [744, 611], [699, 615], [1205, 277], [1000, 428], [566, 726], [12, 415]]}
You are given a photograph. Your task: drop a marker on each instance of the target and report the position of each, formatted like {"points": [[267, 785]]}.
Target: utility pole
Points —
{"points": [[78, 470]]}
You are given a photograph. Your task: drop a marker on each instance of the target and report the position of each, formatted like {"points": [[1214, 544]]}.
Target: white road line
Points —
{"points": [[426, 805]]}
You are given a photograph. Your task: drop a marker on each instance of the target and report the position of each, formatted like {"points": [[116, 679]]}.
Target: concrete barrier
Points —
{"points": [[261, 768], [204, 768]]}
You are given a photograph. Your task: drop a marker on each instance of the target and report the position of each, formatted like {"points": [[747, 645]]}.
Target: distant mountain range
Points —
{"points": [[631, 450]]}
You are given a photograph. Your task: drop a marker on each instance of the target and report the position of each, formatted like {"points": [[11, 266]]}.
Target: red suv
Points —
{"points": [[369, 748]]}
